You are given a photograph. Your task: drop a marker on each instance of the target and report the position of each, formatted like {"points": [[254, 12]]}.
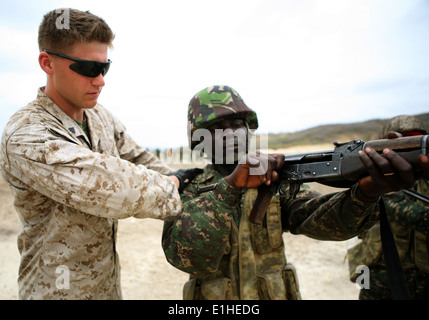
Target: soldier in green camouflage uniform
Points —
{"points": [[213, 240], [409, 220]]}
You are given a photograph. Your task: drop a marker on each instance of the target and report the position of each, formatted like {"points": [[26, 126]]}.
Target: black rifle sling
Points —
{"points": [[417, 195], [397, 279]]}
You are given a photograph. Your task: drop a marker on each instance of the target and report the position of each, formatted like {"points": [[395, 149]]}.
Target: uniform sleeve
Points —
{"points": [[88, 181], [196, 241], [129, 150], [407, 212], [335, 216]]}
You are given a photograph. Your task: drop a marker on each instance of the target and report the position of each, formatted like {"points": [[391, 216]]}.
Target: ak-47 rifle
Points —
{"points": [[340, 167]]}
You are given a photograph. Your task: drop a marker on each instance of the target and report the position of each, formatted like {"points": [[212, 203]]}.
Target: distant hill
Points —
{"points": [[367, 130]]}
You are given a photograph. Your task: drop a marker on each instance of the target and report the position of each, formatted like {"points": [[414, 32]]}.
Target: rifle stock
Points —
{"points": [[339, 168]]}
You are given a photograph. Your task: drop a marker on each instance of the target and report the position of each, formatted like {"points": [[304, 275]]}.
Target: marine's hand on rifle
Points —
{"points": [[388, 172], [255, 169]]}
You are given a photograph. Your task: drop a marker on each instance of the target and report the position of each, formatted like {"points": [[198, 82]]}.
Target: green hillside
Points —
{"points": [[367, 130]]}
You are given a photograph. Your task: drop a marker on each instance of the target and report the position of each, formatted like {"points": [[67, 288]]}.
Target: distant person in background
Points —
{"points": [[409, 220]]}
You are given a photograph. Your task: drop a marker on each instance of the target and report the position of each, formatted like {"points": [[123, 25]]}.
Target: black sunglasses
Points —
{"points": [[87, 68]]}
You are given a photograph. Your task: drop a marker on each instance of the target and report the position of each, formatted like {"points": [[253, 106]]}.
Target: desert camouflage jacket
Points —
{"points": [[69, 190], [213, 241]]}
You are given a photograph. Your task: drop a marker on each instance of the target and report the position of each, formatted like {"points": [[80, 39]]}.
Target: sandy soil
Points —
{"points": [[321, 265]]}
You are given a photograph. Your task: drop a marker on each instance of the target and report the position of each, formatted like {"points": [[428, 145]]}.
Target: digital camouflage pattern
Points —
{"points": [[409, 221], [228, 257], [409, 212], [69, 190], [215, 103], [380, 290]]}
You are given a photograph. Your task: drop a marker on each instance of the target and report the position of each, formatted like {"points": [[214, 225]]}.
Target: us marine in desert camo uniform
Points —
{"points": [[409, 221], [74, 171], [213, 240]]}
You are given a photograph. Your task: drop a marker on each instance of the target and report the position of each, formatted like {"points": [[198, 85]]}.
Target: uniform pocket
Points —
{"points": [[189, 289], [271, 286], [217, 289], [291, 282], [269, 238]]}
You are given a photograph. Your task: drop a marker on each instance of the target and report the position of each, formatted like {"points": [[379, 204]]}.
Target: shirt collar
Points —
{"points": [[50, 106], [208, 174]]}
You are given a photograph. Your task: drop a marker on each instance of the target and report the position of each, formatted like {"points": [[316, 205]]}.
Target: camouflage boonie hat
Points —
{"points": [[403, 124], [216, 103]]}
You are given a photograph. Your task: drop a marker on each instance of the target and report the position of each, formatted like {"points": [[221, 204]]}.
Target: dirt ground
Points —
{"points": [[321, 265]]}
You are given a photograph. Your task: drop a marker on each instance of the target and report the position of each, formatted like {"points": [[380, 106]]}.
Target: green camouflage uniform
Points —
{"points": [[227, 256], [409, 220]]}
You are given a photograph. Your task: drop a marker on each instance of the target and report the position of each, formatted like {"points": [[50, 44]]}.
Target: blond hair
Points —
{"points": [[60, 29]]}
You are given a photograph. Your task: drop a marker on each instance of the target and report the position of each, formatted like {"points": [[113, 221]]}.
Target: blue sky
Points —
{"points": [[298, 64]]}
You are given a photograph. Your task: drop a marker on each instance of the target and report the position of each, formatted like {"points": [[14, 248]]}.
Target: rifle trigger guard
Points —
{"points": [[294, 189]]}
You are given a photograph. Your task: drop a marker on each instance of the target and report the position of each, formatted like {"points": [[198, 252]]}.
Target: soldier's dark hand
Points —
{"points": [[423, 159], [255, 169], [388, 172], [424, 163]]}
